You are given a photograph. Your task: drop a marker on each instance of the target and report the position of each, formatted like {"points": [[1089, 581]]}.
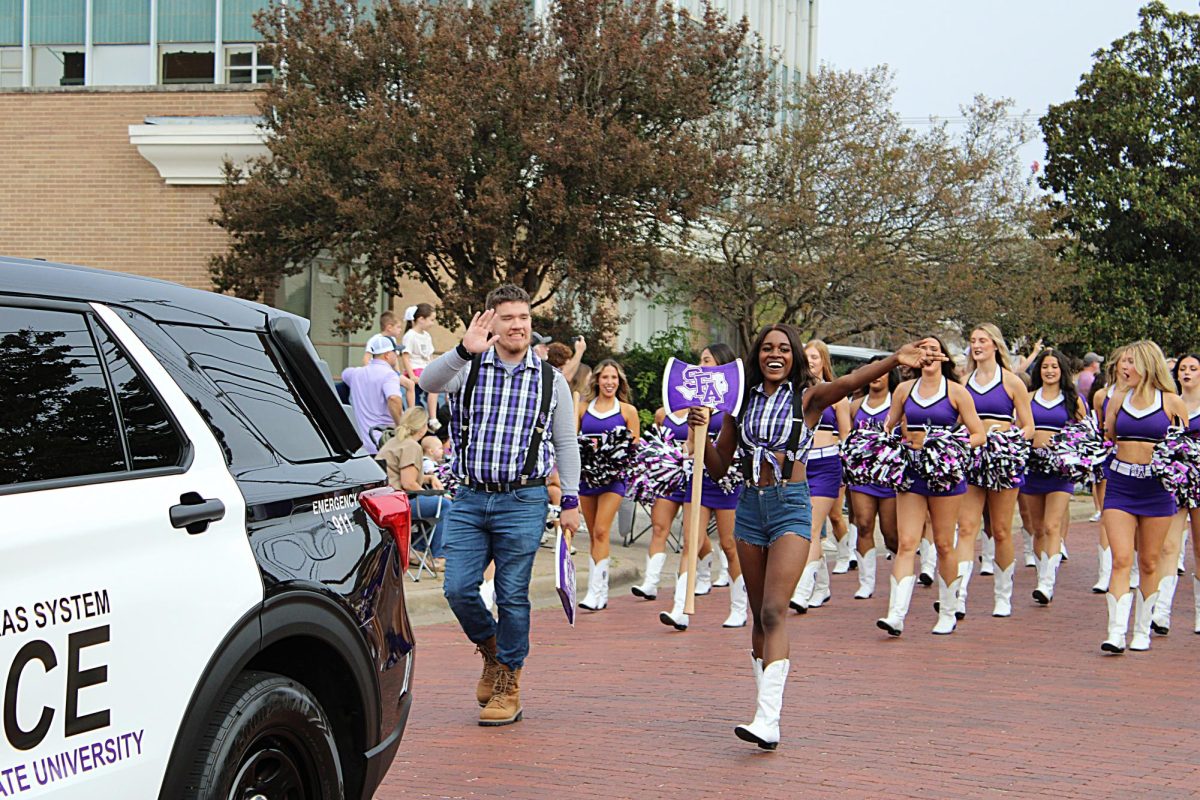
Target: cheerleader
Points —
{"points": [[869, 503], [1048, 495], [824, 468], [934, 400], [1000, 398], [1100, 399], [772, 435], [1137, 508], [714, 501], [608, 410], [1187, 378]]}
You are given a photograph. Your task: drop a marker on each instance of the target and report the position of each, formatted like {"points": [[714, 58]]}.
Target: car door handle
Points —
{"points": [[195, 512]]}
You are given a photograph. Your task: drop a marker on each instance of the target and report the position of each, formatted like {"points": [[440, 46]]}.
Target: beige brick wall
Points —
{"points": [[75, 190]]}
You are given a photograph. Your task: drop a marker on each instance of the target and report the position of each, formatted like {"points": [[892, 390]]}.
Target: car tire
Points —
{"points": [[267, 737]]}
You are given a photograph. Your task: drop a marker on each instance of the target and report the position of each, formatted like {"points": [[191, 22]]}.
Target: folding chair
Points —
{"points": [[629, 537], [421, 539]]}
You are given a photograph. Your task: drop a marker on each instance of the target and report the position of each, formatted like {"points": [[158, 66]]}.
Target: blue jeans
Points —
{"points": [[427, 506], [504, 527]]}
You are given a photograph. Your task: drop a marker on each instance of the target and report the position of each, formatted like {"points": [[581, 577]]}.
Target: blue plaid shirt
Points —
{"points": [[503, 414], [766, 428]]}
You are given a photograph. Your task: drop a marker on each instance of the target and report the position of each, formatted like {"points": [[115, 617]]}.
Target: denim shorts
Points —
{"points": [[766, 513]]}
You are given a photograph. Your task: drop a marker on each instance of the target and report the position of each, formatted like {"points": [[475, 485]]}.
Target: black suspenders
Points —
{"points": [[540, 422]]}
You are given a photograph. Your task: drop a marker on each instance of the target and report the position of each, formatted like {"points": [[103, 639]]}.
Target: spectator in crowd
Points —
{"points": [[391, 326], [375, 390], [1087, 375]]}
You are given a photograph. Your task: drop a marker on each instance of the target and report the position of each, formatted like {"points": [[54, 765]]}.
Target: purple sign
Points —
{"points": [[564, 576], [688, 386]]}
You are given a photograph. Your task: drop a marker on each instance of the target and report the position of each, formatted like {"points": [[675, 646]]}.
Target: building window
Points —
{"points": [[72, 70], [10, 68], [187, 66], [242, 66]]}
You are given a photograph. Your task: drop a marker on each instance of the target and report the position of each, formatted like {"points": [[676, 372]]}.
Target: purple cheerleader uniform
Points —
{"points": [[930, 412], [1048, 416], [1131, 488], [711, 494], [824, 467], [868, 417], [993, 404], [594, 424]]}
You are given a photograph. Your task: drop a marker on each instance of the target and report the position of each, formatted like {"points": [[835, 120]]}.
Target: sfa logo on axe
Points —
{"points": [[688, 385]]}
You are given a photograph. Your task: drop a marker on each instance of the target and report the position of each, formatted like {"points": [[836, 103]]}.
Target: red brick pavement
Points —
{"points": [[624, 707]]}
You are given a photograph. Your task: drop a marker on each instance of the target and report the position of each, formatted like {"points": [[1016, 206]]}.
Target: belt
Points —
{"points": [[823, 452], [1132, 470], [497, 487]]}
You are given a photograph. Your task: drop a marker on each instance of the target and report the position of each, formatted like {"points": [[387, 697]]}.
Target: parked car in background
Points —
{"points": [[846, 358]]}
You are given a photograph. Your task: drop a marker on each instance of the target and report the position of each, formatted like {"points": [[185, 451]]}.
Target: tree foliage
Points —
{"points": [[468, 145], [1124, 160], [852, 223]]}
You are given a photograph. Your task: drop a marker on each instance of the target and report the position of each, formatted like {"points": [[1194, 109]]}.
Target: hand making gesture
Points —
{"points": [[479, 337], [920, 354]]}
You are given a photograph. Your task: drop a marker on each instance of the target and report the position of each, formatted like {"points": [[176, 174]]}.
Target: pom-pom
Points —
{"points": [[944, 458], [446, 475], [660, 467], [1176, 462], [871, 457], [604, 458], [1077, 453], [733, 479], [1000, 462]]}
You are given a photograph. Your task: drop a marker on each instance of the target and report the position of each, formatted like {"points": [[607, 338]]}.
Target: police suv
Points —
{"points": [[200, 573]]}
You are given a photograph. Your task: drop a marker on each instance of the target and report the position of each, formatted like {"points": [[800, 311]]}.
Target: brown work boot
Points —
{"points": [[487, 681], [504, 708]]}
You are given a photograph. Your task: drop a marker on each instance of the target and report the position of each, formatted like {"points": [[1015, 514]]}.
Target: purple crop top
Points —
{"points": [[1050, 416], [930, 412], [992, 401], [594, 423], [1146, 425], [828, 420], [1194, 421], [866, 416]]}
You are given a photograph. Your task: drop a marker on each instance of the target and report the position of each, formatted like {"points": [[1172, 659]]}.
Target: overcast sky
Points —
{"points": [[944, 52]]}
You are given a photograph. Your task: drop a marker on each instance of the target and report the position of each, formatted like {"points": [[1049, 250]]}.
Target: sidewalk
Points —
{"points": [[427, 605]]}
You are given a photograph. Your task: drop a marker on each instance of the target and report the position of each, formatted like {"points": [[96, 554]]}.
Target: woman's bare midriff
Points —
{"points": [[766, 476], [1135, 452]]}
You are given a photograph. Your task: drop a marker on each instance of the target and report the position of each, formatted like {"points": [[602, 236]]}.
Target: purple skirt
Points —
{"points": [[1142, 497], [919, 486], [825, 476], [616, 487], [1044, 483], [880, 492], [711, 496]]}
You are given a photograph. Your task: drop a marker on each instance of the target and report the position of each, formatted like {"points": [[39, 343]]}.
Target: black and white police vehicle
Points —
{"points": [[200, 573]]}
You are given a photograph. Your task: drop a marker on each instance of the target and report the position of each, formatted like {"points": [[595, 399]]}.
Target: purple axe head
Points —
{"points": [[688, 386]]}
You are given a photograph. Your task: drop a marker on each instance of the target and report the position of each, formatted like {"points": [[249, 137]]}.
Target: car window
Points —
{"points": [[57, 418], [152, 438], [245, 368]]}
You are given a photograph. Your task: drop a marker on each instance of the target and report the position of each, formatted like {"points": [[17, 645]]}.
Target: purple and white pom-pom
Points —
{"points": [[1078, 452], [943, 459], [872, 457], [733, 479], [1000, 462], [446, 475], [1176, 462], [660, 467], [605, 458]]}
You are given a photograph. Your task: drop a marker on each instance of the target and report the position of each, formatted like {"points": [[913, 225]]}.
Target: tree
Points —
{"points": [[852, 223], [469, 145], [1123, 157]]}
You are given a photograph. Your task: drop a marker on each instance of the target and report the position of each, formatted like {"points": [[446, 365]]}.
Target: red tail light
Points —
{"points": [[390, 510]]}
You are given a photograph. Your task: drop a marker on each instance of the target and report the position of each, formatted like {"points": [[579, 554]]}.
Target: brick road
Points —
{"points": [[624, 707]]}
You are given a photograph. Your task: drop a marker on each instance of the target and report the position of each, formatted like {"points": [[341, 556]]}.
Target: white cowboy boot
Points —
{"points": [[1118, 622], [1180, 568], [841, 564], [649, 586], [928, 555], [1047, 575], [1143, 608], [1103, 570], [597, 593], [1002, 589], [737, 604], [764, 730], [675, 617], [1160, 621], [487, 591], [820, 594], [1135, 573], [704, 576], [947, 602], [1030, 558], [987, 555], [866, 575], [756, 665], [723, 578], [1062, 550], [804, 588], [965, 570], [898, 600]]}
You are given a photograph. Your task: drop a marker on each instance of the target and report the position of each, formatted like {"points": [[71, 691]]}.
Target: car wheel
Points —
{"points": [[268, 738]]}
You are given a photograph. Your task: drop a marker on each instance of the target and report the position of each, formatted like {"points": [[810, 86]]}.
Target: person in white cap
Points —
{"points": [[375, 390]]}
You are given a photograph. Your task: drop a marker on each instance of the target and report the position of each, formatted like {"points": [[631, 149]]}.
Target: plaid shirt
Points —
{"points": [[503, 412], [766, 428]]}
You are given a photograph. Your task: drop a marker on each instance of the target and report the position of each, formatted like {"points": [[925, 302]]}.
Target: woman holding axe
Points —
{"points": [[772, 434]]}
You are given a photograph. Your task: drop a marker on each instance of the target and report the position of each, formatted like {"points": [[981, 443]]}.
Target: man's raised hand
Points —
{"points": [[479, 336]]}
